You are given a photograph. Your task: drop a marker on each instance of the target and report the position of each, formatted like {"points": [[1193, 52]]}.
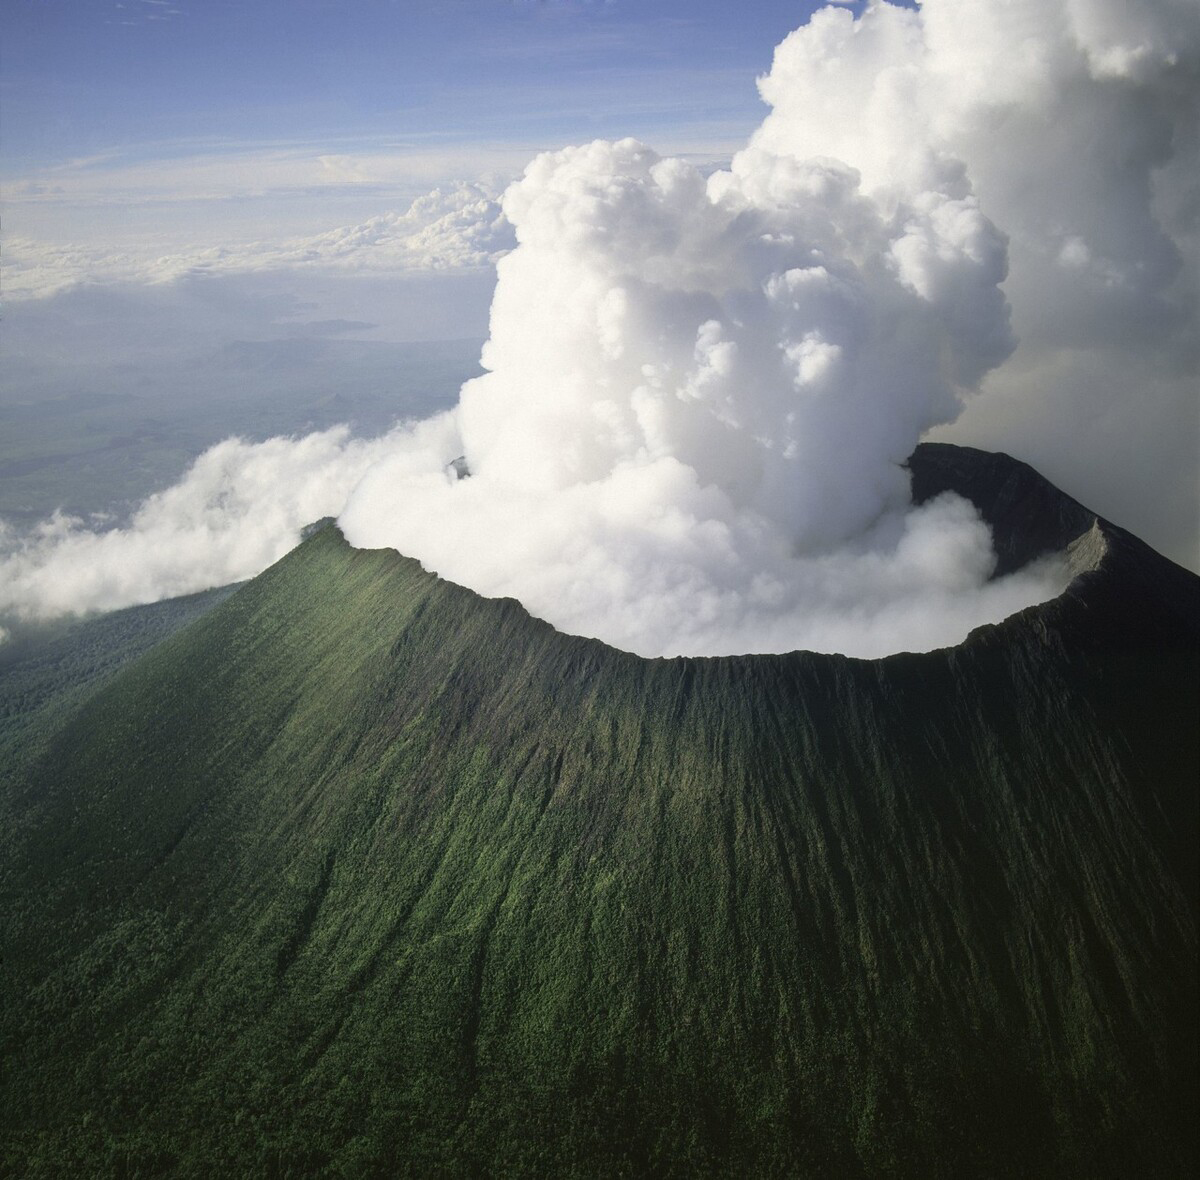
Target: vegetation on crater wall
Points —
{"points": [[362, 874]]}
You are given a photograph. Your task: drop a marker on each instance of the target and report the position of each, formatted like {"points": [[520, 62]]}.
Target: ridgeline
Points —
{"points": [[362, 874]]}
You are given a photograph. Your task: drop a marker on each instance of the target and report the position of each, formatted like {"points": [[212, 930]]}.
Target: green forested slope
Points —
{"points": [[48, 668], [363, 874]]}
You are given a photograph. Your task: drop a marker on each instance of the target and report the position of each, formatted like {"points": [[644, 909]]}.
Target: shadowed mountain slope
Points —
{"points": [[48, 668], [361, 874]]}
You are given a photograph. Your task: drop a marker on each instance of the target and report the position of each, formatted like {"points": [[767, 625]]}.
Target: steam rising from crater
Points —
{"points": [[701, 391]]}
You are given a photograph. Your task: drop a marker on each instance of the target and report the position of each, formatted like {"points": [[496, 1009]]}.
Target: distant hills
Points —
{"points": [[361, 874]]}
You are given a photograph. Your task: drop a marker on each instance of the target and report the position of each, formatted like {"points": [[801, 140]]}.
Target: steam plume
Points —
{"points": [[701, 392]]}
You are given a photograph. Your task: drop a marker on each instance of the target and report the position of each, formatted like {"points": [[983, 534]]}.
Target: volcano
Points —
{"points": [[360, 873]]}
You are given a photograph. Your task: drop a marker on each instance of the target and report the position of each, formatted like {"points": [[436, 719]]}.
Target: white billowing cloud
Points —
{"points": [[1078, 127], [452, 228], [700, 397], [1059, 116], [700, 393], [777, 340], [239, 508]]}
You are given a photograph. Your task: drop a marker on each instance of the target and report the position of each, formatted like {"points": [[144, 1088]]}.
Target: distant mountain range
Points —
{"points": [[359, 873]]}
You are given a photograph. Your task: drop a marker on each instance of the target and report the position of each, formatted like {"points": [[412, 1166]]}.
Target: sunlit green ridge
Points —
{"points": [[362, 874]]}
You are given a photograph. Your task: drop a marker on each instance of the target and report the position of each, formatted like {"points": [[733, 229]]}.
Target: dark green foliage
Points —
{"points": [[361, 874], [47, 669]]}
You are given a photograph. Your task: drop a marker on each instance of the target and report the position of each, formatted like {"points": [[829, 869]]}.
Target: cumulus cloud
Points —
{"points": [[700, 396], [1078, 123], [456, 227], [700, 390]]}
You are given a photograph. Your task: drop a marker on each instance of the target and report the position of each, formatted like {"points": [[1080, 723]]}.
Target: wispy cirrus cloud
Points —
{"points": [[223, 171], [141, 12]]}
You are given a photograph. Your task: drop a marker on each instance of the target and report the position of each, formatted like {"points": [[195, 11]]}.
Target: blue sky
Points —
{"points": [[163, 102], [84, 75]]}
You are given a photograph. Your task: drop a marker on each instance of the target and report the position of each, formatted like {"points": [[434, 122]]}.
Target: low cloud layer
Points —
{"points": [[240, 507], [700, 390], [453, 228]]}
